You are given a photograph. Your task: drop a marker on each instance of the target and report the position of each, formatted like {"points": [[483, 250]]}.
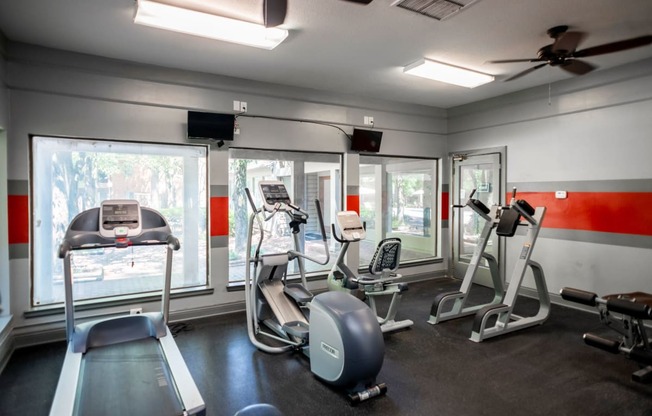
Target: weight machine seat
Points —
{"points": [[386, 257]]}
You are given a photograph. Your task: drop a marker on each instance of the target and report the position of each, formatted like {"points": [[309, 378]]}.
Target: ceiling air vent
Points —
{"points": [[437, 9]]}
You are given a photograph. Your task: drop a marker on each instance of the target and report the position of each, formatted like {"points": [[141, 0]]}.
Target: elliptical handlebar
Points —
{"points": [[335, 236], [322, 229], [320, 216]]}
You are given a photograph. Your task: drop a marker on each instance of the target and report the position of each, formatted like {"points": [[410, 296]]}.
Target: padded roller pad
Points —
{"points": [[628, 307], [605, 344], [523, 204], [478, 204], [638, 297], [578, 296]]}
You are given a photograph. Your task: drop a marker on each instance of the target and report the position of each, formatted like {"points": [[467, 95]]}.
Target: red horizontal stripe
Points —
{"points": [[445, 207], [353, 203], [219, 216], [18, 211], [610, 212]]}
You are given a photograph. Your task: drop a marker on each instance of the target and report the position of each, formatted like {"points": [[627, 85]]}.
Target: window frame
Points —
{"points": [[435, 216], [116, 299], [268, 154]]}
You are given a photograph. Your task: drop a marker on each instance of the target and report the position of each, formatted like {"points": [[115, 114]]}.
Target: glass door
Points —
{"points": [[480, 172]]}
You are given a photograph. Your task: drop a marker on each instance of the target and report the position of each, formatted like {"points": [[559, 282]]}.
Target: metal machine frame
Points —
{"points": [[439, 312], [84, 233], [506, 321]]}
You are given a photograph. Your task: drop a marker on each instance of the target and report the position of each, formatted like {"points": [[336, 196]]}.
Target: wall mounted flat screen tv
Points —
{"points": [[210, 126], [366, 140]]}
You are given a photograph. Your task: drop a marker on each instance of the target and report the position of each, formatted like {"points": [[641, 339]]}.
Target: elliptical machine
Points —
{"points": [[383, 267], [337, 331]]}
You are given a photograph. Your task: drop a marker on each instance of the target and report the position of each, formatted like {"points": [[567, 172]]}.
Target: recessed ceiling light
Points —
{"points": [[449, 74]]}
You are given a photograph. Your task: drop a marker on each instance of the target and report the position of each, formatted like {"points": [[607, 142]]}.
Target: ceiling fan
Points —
{"points": [[562, 52], [274, 11]]}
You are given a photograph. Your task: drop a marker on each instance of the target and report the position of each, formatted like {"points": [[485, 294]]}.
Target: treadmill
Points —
{"points": [[130, 364]]}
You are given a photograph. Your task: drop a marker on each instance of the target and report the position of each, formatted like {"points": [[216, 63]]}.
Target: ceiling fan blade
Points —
{"points": [[527, 71], [577, 67], [508, 61], [360, 1], [614, 46], [274, 12], [567, 42]]}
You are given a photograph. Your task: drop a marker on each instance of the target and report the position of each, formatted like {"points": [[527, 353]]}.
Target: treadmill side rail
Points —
{"points": [[188, 392], [64, 398]]}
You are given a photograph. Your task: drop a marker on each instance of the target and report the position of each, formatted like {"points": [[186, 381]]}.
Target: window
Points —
{"points": [[72, 175], [307, 176], [398, 199]]}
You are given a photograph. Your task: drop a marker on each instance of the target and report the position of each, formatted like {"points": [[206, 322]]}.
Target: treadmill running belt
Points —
{"points": [[130, 378]]}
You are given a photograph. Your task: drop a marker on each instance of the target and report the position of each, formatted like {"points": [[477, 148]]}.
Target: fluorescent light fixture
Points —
{"points": [[447, 73], [164, 16]]}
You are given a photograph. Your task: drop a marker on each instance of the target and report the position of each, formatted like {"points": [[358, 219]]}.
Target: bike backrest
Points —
{"points": [[386, 257]]}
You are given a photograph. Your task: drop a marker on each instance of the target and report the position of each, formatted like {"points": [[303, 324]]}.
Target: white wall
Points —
{"points": [[4, 242], [60, 93], [592, 134]]}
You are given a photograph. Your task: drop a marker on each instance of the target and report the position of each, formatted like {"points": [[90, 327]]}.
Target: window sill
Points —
{"points": [[40, 311], [5, 320], [239, 285]]}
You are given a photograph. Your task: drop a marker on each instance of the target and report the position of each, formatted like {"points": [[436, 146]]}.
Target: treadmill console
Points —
{"points": [[120, 218], [274, 192], [351, 226]]}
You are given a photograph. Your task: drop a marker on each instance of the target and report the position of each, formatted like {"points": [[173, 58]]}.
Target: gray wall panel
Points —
{"points": [[594, 137], [67, 94]]}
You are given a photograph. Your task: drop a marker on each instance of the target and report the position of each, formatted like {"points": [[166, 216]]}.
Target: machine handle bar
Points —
{"points": [[321, 220], [335, 236], [251, 200], [294, 254]]}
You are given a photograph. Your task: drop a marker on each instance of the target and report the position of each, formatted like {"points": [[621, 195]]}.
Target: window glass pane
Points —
{"points": [[72, 175], [397, 199], [307, 176]]}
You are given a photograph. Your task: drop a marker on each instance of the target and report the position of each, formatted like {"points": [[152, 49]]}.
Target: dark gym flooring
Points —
{"points": [[429, 370]]}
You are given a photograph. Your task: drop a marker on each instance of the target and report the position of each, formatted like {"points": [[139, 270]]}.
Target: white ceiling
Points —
{"points": [[344, 47]]}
